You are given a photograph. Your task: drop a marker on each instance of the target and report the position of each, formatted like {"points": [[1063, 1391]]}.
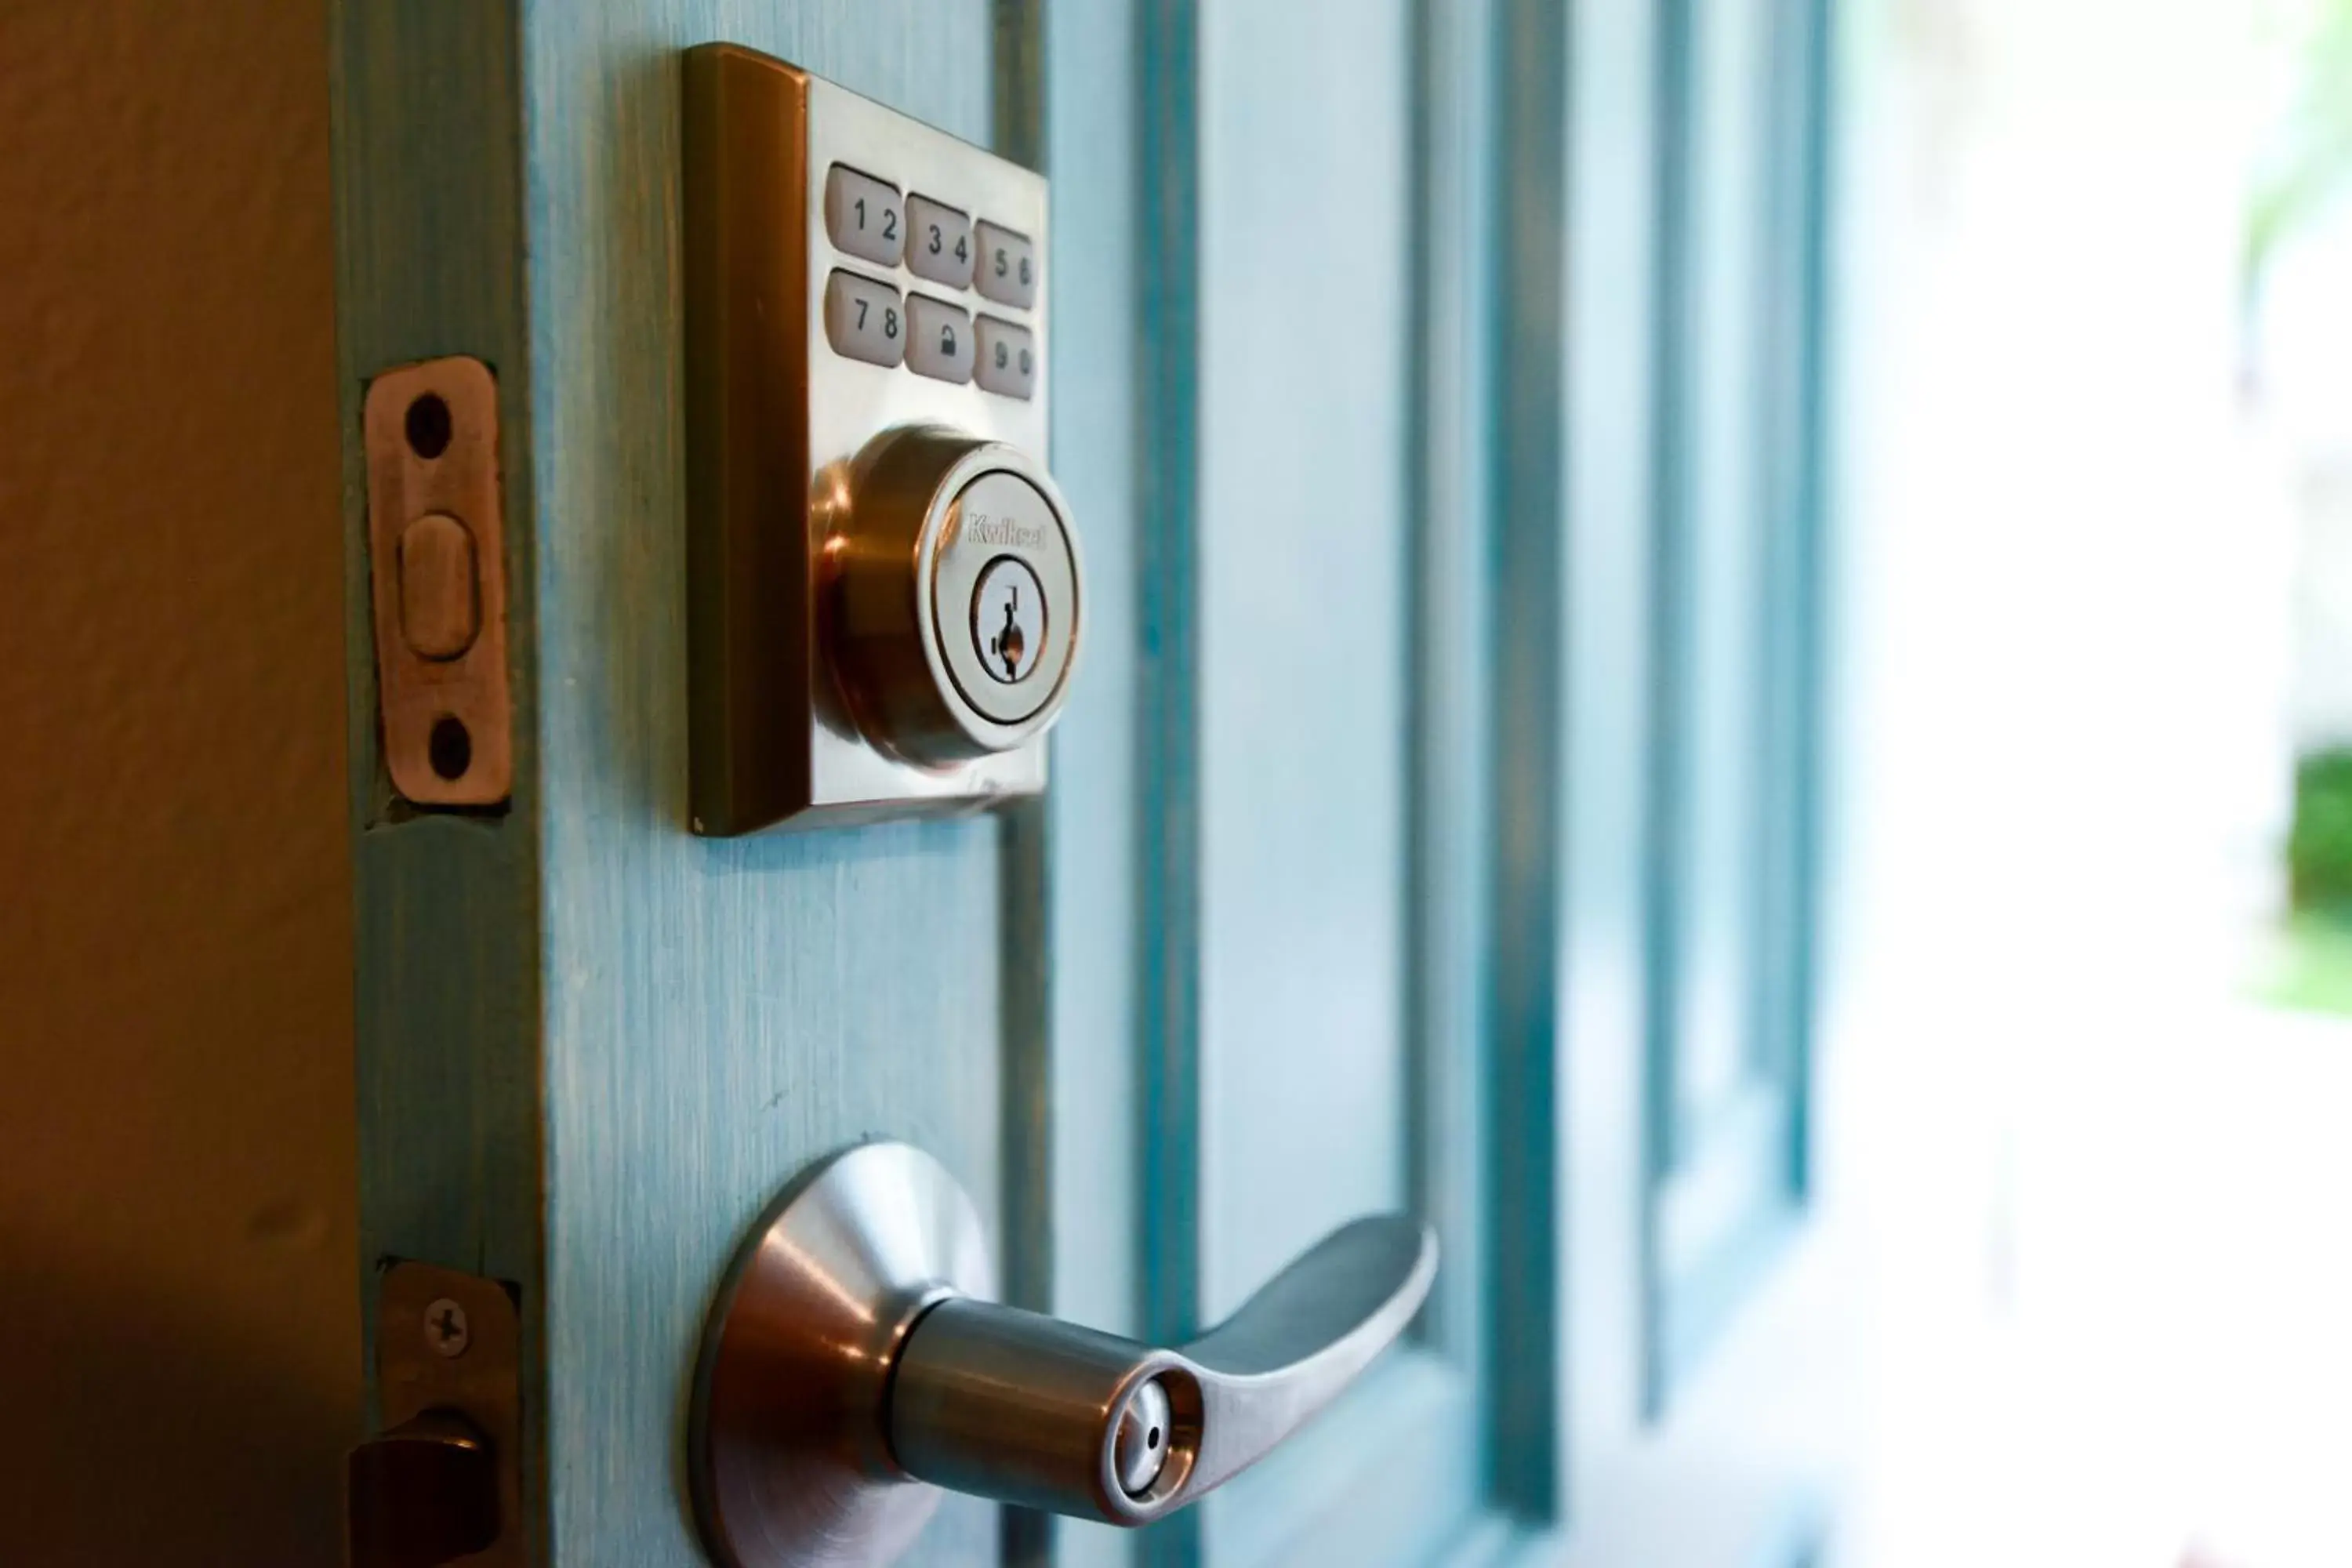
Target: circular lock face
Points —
{"points": [[1005, 595], [955, 608]]}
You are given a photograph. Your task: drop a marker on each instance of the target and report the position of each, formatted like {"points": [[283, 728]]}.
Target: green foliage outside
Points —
{"points": [[2308, 966], [2319, 848], [2307, 168]]}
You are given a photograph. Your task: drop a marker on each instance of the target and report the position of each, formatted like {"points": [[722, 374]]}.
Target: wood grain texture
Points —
{"points": [[1524, 1349], [1165, 1233], [718, 1013], [1091, 123], [429, 261], [1304, 118], [1344, 469], [715, 1014], [1027, 878]]}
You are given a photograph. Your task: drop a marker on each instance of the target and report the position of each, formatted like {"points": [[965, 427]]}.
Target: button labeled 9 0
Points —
{"points": [[1008, 359]]}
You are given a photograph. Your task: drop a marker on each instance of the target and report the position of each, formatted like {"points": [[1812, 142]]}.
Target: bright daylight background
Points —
{"points": [[2088, 1170], [2091, 1126]]}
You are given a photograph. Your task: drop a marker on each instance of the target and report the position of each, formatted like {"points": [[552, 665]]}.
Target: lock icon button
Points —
{"points": [[956, 595], [941, 343]]}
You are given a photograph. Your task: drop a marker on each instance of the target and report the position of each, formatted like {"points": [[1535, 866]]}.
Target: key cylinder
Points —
{"points": [[972, 656], [1008, 620]]}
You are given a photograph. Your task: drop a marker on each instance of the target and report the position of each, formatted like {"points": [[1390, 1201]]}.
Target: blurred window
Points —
{"points": [[1736, 565]]}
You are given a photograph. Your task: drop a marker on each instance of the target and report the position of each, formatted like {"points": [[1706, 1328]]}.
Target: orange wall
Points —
{"points": [[180, 1365]]}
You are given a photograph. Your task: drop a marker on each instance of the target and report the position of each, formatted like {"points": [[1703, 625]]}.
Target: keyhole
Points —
{"points": [[1008, 620], [1011, 641]]}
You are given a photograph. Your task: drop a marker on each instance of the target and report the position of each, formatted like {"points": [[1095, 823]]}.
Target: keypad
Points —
{"points": [[867, 319]]}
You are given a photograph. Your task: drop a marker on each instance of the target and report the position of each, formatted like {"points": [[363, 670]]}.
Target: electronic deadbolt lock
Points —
{"points": [[885, 592]]}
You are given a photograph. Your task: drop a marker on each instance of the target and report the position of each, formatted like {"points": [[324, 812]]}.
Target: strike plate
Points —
{"points": [[436, 557], [448, 1463]]}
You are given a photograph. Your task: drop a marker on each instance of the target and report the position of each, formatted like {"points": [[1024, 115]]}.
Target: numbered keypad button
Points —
{"points": [[1008, 359], [938, 340], [939, 242], [1008, 265], [865, 320], [863, 215]]}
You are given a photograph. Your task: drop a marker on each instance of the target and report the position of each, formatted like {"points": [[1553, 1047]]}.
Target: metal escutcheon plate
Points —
{"points": [[788, 1459]]}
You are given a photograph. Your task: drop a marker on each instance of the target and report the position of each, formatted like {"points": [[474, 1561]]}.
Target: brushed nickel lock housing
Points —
{"points": [[886, 598]]}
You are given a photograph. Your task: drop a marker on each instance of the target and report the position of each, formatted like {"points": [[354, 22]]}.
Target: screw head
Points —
{"points": [[446, 1328]]}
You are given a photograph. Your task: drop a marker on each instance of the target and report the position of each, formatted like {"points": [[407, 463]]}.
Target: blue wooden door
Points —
{"points": [[1266, 834], [591, 1043], [1221, 989]]}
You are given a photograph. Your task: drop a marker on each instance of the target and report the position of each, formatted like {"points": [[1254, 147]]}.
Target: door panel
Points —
{"points": [[1696, 216], [1304, 283], [1307, 718], [1740, 89], [1720, 627]]}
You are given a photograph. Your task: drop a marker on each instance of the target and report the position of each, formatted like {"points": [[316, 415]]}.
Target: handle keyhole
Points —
{"points": [[1140, 1442]]}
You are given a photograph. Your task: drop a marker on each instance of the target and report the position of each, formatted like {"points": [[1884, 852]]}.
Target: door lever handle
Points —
{"points": [[1029, 1409], [855, 1356]]}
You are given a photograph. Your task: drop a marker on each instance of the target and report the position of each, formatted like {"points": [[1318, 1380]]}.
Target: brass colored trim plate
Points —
{"points": [[449, 1380], [436, 563]]}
